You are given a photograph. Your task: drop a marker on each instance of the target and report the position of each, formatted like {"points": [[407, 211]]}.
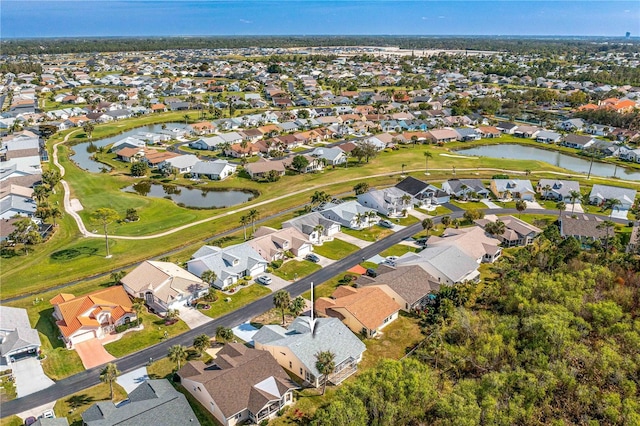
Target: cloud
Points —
{"points": [[424, 18], [441, 17], [246, 21]]}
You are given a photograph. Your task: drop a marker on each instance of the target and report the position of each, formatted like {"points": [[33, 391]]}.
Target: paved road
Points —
{"points": [[136, 360]]}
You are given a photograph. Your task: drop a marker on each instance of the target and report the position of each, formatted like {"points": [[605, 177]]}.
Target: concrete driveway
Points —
{"points": [[29, 376], [193, 317], [92, 353], [324, 261], [575, 207], [533, 205], [619, 214], [277, 283], [37, 411], [353, 240], [131, 380], [490, 204]]}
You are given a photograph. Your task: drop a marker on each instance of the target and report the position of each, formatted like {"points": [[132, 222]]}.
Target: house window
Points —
{"points": [[290, 365], [213, 406], [199, 390], [301, 373]]}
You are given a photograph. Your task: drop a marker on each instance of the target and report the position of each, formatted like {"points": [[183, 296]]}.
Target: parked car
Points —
{"points": [[385, 223], [29, 421], [263, 279], [371, 273], [48, 414], [312, 258], [391, 260]]}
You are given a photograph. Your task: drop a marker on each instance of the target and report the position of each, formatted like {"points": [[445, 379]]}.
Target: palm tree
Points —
{"points": [[325, 364], [319, 229], [104, 216], [427, 155], [446, 221], [253, 216], [427, 224], [244, 220], [546, 190], [360, 219], [137, 308], [319, 197], [521, 206], [281, 301], [611, 203], [496, 228], [109, 374], [403, 166], [40, 193], [177, 354], [370, 215], [88, 128], [574, 196], [209, 277], [297, 305], [561, 206], [406, 198], [186, 118], [224, 334], [55, 213], [607, 225], [201, 343]]}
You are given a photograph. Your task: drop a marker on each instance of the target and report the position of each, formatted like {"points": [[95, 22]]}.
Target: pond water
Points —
{"points": [[84, 151], [191, 197], [579, 165]]}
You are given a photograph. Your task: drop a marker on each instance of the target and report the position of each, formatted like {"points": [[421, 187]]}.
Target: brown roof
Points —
{"points": [[410, 282], [129, 152], [165, 279], [241, 378], [73, 309], [581, 225], [368, 305], [19, 153]]}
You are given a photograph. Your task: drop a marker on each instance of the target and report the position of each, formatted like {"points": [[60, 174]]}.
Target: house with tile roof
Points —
{"points": [[241, 385], [364, 310], [316, 227], [17, 338], [474, 241], [517, 232], [295, 348], [163, 285], [94, 315], [229, 263], [153, 402], [448, 264]]}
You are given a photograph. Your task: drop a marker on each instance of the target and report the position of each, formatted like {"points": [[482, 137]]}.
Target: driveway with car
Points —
{"points": [[276, 284], [29, 376]]}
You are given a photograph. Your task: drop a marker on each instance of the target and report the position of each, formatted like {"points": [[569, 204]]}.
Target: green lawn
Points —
{"points": [[204, 416], [398, 250], [467, 205], [397, 339], [74, 405], [7, 388], [11, 421], [327, 288], [336, 249], [240, 298], [294, 269], [152, 333], [405, 221], [369, 234]]}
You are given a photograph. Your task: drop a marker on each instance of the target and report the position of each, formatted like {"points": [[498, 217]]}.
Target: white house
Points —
{"points": [[316, 227], [229, 263], [214, 170], [601, 193], [391, 202], [351, 214]]}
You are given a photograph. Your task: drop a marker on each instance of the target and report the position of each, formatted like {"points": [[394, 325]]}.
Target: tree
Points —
{"points": [[105, 216], [281, 301], [297, 305], [139, 168], [173, 313], [472, 215], [272, 176], [177, 354], [88, 128], [427, 225], [138, 307], [496, 228], [366, 150], [253, 216], [574, 196], [131, 215], [427, 155], [51, 178], [319, 197], [41, 192], [209, 277], [224, 334], [361, 188], [244, 220], [607, 225], [561, 206], [611, 203], [300, 163], [521, 206], [109, 374], [25, 233], [186, 118], [116, 276], [446, 221], [201, 343], [326, 365], [56, 213], [303, 113]]}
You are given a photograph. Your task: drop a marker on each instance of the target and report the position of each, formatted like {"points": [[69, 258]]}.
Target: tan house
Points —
{"points": [[92, 316], [271, 244], [364, 310], [163, 285], [517, 232], [474, 241], [242, 385]]}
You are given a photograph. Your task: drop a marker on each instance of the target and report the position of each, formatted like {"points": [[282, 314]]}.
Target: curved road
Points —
{"points": [[136, 360]]}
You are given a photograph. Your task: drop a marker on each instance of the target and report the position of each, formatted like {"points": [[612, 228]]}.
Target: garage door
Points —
{"points": [[82, 337]]}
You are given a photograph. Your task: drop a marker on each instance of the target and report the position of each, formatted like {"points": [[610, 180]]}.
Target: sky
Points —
{"points": [[78, 18]]}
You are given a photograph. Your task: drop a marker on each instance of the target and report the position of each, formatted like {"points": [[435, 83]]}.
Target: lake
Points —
{"points": [[84, 151], [579, 165], [192, 197]]}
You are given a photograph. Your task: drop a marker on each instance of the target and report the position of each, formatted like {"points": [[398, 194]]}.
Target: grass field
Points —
{"points": [[294, 269], [398, 250], [74, 405], [240, 298], [336, 249], [397, 339], [369, 234]]}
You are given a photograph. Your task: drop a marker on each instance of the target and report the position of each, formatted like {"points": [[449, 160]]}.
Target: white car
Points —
{"points": [[391, 260], [48, 414], [263, 279]]}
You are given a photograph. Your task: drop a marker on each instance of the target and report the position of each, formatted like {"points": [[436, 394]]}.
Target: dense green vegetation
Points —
{"points": [[553, 339]]}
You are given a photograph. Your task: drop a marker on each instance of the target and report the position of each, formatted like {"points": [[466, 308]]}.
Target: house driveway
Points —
{"points": [[353, 240], [576, 207], [620, 214], [131, 380], [245, 331], [193, 317], [533, 205], [37, 411], [419, 215], [277, 283], [490, 204], [324, 261], [29, 376], [92, 353]]}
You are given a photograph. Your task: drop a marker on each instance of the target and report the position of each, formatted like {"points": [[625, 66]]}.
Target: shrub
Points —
{"points": [[124, 327], [276, 263]]}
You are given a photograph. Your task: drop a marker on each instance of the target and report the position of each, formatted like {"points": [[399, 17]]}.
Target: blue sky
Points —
{"points": [[76, 18]]}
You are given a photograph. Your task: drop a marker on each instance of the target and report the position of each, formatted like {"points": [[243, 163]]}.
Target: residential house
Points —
{"points": [[559, 190], [366, 311], [261, 168], [422, 192], [489, 131], [506, 189], [351, 214], [273, 244], [153, 402], [578, 141], [229, 263], [447, 264], [572, 125], [210, 144], [241, 385], [295, 348], [16, 200], [316, 227], [442, 135], [474, 241], [517, 232], [94, 315], [183, 163], [585, 228], [128, 142], [411, 286], [130, 155], [506, 127], [601, 193], [17, 338], [527, 132], [464, 188], [214, 170], [547, 136], [390, 202], [163, 285], [467, 134], [331, 156]]}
